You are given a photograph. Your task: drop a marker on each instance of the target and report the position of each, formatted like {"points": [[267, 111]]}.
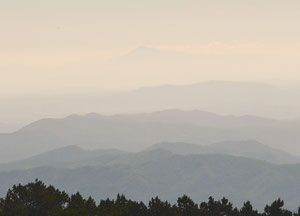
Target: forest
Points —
{"points": [[38, 199]]}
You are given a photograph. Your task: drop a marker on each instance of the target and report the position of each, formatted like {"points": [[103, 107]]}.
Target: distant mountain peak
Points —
{"points": [[144, 51]]}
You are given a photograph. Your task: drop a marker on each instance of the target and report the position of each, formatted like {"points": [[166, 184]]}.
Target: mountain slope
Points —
{"points": [[222, 97], [255, 150], [70, 156], [136, 132], [169, 176], [75, 157], [202, 118], [250, 149]]}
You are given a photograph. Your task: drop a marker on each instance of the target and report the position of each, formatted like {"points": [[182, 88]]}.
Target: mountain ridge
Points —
{"points": [[74, 156], [198, 176], [134, 132], [247, 148]]}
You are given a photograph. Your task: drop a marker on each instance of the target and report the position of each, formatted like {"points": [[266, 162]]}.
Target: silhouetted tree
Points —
{"points": [[212, 207], [33, 199], [1, 206], [187, 207], [275, 209], [247, 210], [160, 208], [107, 208], [78, 206], [137, 208]]}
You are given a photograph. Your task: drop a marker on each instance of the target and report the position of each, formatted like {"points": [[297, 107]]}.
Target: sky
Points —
{"points": [[62, 46]]}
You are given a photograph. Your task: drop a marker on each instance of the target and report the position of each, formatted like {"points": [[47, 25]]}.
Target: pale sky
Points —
{"points": [[82, 45]]}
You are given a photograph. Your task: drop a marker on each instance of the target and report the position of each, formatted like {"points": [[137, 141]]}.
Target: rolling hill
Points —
{"points": [[138, 131], [75, 157], [66, 157], [249, 149], [159, 172]]}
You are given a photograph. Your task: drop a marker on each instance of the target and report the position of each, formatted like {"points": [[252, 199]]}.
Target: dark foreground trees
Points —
{"points": [[33, 199], [37, 199]]}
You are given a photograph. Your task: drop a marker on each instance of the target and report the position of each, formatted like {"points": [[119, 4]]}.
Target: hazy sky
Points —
{"points": [[71, 45]]}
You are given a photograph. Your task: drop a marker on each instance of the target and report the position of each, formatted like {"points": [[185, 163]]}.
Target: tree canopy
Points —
{"points": [[36, 199]]}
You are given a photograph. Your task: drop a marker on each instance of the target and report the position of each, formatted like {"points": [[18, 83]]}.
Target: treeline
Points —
{"points": [[37, 199]]}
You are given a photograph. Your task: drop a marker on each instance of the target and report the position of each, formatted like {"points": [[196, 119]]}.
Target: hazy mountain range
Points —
{"points": [[166, 153], [250, 149], [136, 132], [159, 172], [225, 98], [75, 157], [149, 98]]}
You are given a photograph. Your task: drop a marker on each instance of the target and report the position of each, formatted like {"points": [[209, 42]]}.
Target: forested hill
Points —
{"points": [[160, 173]]}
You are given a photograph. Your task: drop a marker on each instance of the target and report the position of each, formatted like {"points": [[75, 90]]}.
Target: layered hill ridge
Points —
{"points": [[249, 149], [135, 132], [66, 157], [222, 97], [143, 175], [75, 157]]}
